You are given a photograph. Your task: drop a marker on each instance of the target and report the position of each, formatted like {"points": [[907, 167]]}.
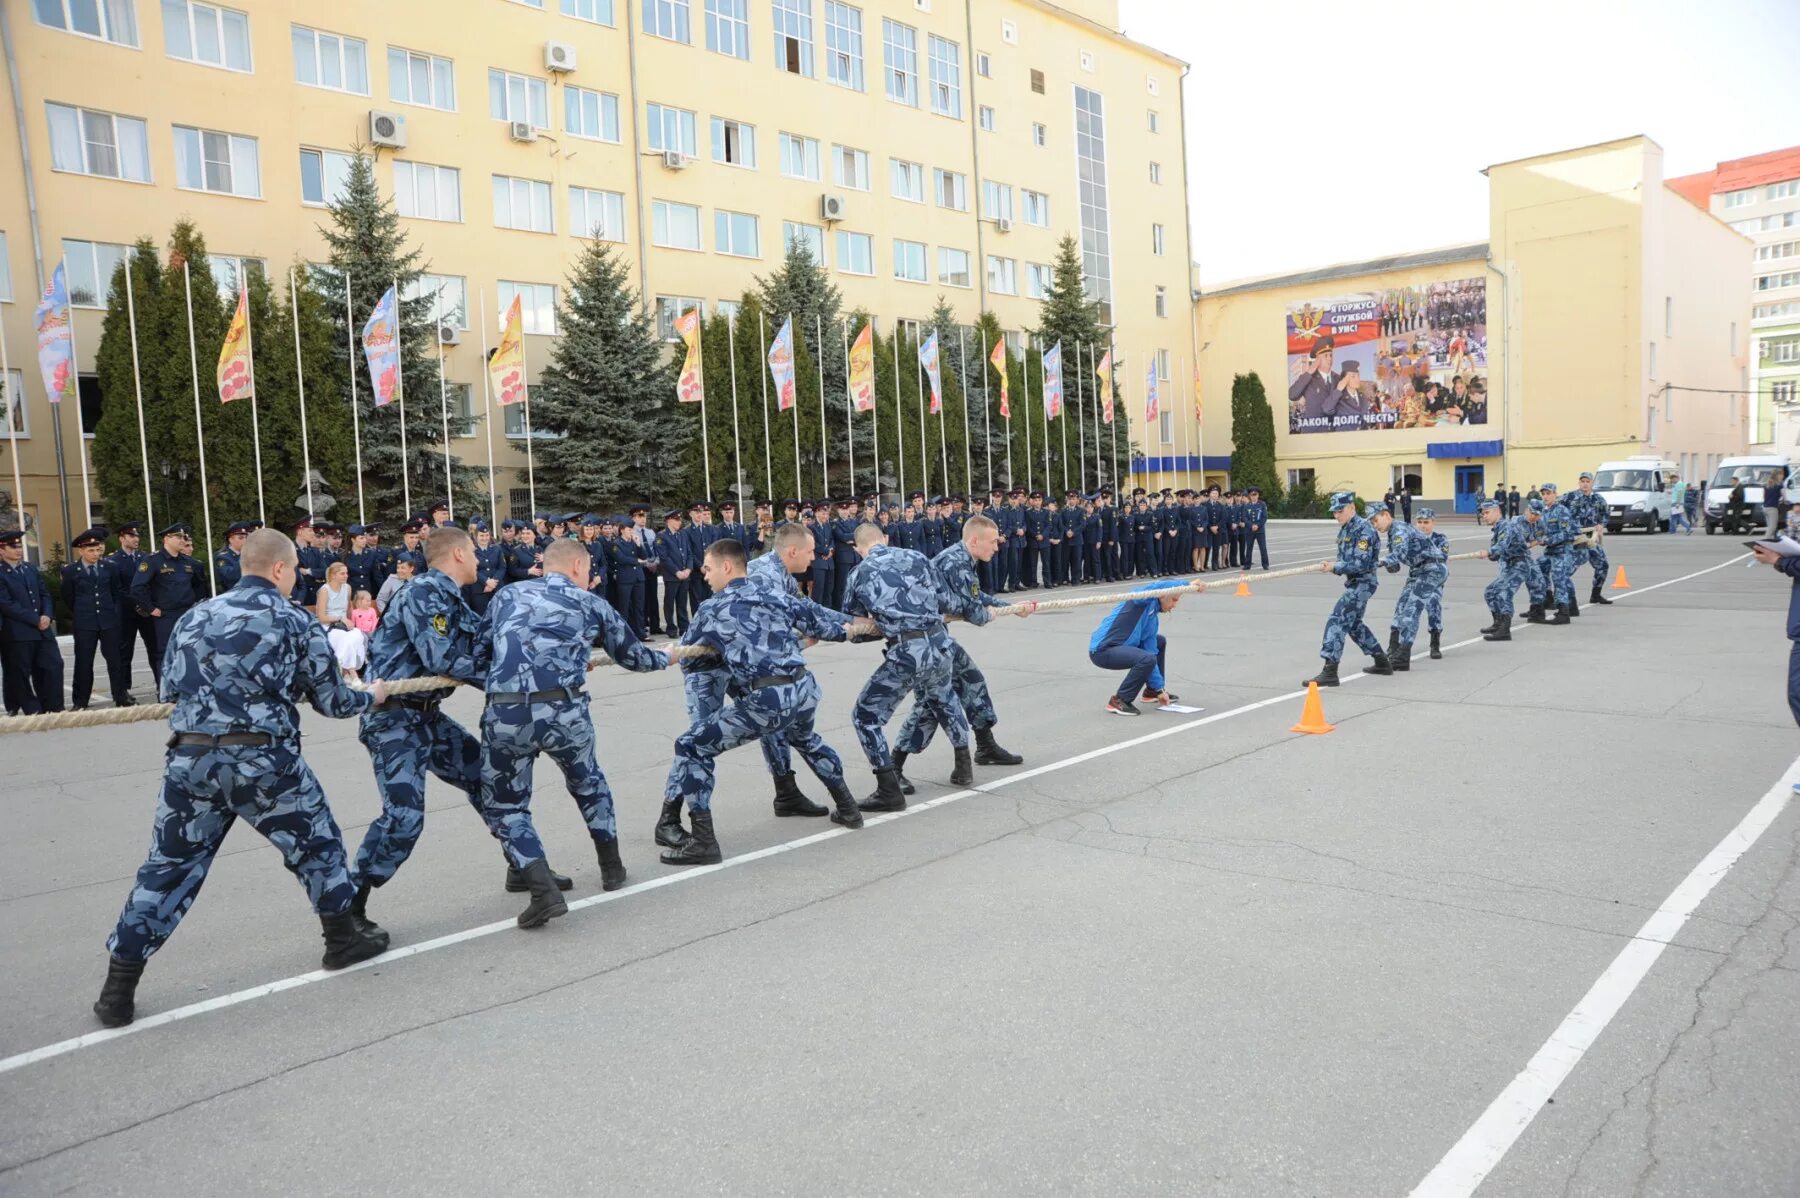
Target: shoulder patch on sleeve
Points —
{"points": [[1363, 544], [144, 568], [440, 624]]}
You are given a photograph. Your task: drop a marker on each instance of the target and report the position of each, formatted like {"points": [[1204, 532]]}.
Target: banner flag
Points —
{"points": [[1053, 382], [234, 356], [56, 339], [1104, 370], [928, 357], [691, 387], [506, 369], [781, 365], [381, 345], [998, 358], [862, 369], [1152, 397]]}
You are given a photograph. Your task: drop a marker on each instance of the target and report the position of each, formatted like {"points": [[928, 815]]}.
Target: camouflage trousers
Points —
{"points": [[921, 666], [1557, 569], [204, 791], [1346, 620], [971, 688], [1513, 575], [706, 691], [1592, 555], [512, 736], [786, 709], [404, 745], [1422, 594]]}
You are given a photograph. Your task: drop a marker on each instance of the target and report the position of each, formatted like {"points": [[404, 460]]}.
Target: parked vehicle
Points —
{"points": [[1638, 492], [1752, 471]]}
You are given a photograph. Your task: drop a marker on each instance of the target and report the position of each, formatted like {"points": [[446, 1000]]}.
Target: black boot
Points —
{"points": [[1327, 676], [847, 813], [1562, 615], [963, 772], [669, 832], [1536, 615], [117, 1004], [1393, 647], [546, 900], [887, 796], [1380, 664], [700, 848], [1574, 607], [1437, 651], [1493, 623], [516, 884], [989, 752], [1502, 630], [612, 870], [790, 801], [359, 909], [906, 786], [1594, 596], [1401, 656], [347, 942]]}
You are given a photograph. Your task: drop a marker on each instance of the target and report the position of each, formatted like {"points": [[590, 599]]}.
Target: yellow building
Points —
{"points": [[1604, 318], [923, 146]]}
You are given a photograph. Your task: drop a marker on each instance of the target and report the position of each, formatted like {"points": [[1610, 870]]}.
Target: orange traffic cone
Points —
{"points": [[1312, 716], [1619, 583], [1243, 591]]}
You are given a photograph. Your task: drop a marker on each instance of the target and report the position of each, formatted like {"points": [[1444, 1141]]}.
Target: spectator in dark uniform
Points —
{"points": [[27, 623], [95, 589], [133, 627], [166, 585]]}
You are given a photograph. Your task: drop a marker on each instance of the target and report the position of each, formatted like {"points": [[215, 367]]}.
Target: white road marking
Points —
{"points": [[221, 1002]]}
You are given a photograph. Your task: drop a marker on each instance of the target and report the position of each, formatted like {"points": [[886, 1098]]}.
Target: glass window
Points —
{"points": [[946, 76], [1037, 208], [953, 267], [843, 45], [229, 272], [421, 79], [668, 18], [670, 308], [900, 55], [591, 114], [598, 11], [207, 160], [733, 143], [537, 308], [728, 28], [984, 66], [597, 214], [855, 253], [205, 33], [449, 295], [799, 157], [323, 174], [112, 21], [91, 266], [1040, 135], [672, 129], [909, 261], [1037, 280], [427, 192], [522, 204], [735, 233], [1002, 275], [908, 179], [331, 61], [951, 188], [984, 116], [1784, 190], [87, 142], [18, 421], [996, 200], [1162, 301], [676, 226], [518, 98], [793, 36], [810, 236], [1090, 167], [1157, 240], [850, 167], [728, 309], [1156, 172], [1162, 365], [6, 291]]}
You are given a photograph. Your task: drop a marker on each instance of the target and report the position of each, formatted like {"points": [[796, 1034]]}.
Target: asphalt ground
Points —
{"points": [[1172, 954]]}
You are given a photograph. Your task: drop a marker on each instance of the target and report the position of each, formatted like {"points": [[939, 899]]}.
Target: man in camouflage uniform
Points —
{"points": [[1511, 547], [1589, 509], [536, 647], [234, 669], [1558, 565], [1426, 551], [755, 629], [1358, 554]]}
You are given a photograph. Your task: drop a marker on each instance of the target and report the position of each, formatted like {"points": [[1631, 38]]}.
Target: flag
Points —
{"points": [[928, 358], [506, 369], [1151, 397], [998, 358], [234, 356], [1104, 370], [56, 339], [862, 369], [1053, 391], [781, 365], [381, 345], [690, 388]]}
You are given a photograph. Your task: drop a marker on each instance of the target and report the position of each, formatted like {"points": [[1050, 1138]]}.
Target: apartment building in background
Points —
{"points": [[920, 147]]}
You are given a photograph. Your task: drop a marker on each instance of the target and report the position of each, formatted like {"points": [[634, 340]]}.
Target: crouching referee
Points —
{"points": [[1128, 640]]}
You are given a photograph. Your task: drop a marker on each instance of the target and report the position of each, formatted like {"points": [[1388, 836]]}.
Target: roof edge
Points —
{"points": [[1345, 270]]}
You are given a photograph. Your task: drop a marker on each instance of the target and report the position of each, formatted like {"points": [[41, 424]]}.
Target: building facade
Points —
{"points": [[921, 147], [1602, 319]]}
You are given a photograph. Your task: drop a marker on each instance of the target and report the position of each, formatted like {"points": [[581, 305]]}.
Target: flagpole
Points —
{"points": [[794, 362], [1113, 346], [87, 495], [849, 413], [737, 452], [705, 437], [924, 445], [525, 379], [1080, 421], [187, 282], [762, 331], [1044, 409], [824, 429], [487, 410], [962, 371], [262, 513], [362, 514], [12, 433], [1025, 373], [443, 411], [899, 417], [137, 383], [400, 393], [1187, 449], [1063, 419], [987, 420], [300, 378]]}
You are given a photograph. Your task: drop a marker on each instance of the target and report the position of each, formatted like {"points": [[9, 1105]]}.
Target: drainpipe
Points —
{"points": [[637, 157], [1507, 374], [1189, 289], [979, 266]]}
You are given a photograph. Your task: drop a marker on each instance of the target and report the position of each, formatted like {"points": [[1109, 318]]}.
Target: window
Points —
{"points": [[449, 295], [1785, 351], [537, 307], [1778, 249], [984, 116], [6, 292], [87, 394], [323, 174], [1782, 191], [1741, 197], [843, 45], [799, 157], [518, 98], [203, 33], [900, 54], [462, 409], [945, 60], [984, 66], [793, 36], [1771, 282], [207, 160], [331, 61], [728, 309], [909, 261], [18, 422], [1037, 208], [953, 267], [996, 200], [1155, 121], [1156, 172], [909, 329], [672, 129], [1087, 60], [591, 114], [112, 21], [514, 417], [1764, 311], [908, 180], [522, 204], [87, 142], [1165, 425], [427, 192], [1015, 343], [668, 18], [230, 272], [1037, 81], [1157, 240], [1037, 280], [735, 233], [676, 226], [734, 143], [597, 214], [728, 28], [810, 236], [1009, 32], [850, 167], [1668, 316], [1302, 477], [855, 253], [1094, 211], [1002, 275], [600, 12], [91, 266], [951, 189], [1784, 392], [1153, 85], [422, 79], [670, 308], [1162, 365], [1039, 134]]}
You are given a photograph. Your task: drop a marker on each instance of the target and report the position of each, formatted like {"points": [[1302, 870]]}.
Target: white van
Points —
{"points": [[1638, 492], [1751, 471]]}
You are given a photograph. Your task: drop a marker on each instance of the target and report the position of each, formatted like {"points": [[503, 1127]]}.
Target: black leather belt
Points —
{"points": [[774, 680], [201, 740], [414, 703], [914, 635], [549, 696]]}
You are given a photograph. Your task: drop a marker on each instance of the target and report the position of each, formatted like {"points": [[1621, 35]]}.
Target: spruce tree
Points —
{"points": [[118, 455], [1253, 439], [801, 288], [1071, 318]]}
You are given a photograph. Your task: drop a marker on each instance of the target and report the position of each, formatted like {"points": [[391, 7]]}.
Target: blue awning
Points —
{"points": [[1465, 449], [1215, 461], [1166, 465]]}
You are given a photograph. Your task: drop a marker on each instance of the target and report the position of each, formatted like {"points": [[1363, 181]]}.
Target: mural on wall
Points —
{"points": [[1405, 357]]}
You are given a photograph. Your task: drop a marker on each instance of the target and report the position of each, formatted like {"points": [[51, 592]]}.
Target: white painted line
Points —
{"points": [[219, 1003], [1466, 1165]]}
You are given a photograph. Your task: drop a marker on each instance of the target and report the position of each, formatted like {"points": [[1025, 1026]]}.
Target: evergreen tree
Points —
{"points": [[801, 288], [996, 436], [607, 397], [1069, 317], [117, 454], [1253, 439]]}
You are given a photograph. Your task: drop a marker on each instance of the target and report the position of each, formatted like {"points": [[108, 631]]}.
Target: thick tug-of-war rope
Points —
{"points": [[57, 721]]}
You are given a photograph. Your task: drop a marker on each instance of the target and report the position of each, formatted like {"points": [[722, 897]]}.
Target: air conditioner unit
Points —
{"points": [[675, 160], [522, 131], [559, 56], [1003, 224], [449, 334], [831, 207], [387, 129]]}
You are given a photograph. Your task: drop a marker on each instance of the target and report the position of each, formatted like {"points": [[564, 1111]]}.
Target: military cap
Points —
{"points": [[90, 536], [572, 517], [644, 509], [993, 491], [1018, 490], [788, 503], [725, 505], [357, 530], [1587, 476], [1486, 505], [546, 517], [590, 520], [244, 526], [1352, 366], [917, 495], [414, 525], [374, 530], [673, 513], [1341, 500], [442, 505], [1551, 487], [1036, 495], [1136, 491], [326, 526], [1254, 491], [511, 523], [1375, 509], [1426, 513], [698, 505], [621, 521], [477, 524], [131, 528], [1534, 504], [303, 522], [176, 530], [1322, 345], [10, 536]]}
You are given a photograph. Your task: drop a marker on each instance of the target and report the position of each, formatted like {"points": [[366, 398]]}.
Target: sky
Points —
{"points": [[1333, 133]]}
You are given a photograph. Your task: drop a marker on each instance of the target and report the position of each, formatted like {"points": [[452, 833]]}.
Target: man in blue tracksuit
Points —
{"points": [[1789, 566], [1128, 640]]}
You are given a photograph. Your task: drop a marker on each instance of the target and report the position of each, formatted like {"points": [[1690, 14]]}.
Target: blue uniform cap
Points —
{"points": [[1534, 504], [244, 526], [476, 524], [635, 508], [673, 513], [10, 536], [1550, 487], [622, 521], [90, 536], [590, 520], [1375, 509], [131, 526], [1587, 476], [1426, 513], [176, 530], [357, 530], [1485, 505], [1341, 500], [1255, 490]]}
